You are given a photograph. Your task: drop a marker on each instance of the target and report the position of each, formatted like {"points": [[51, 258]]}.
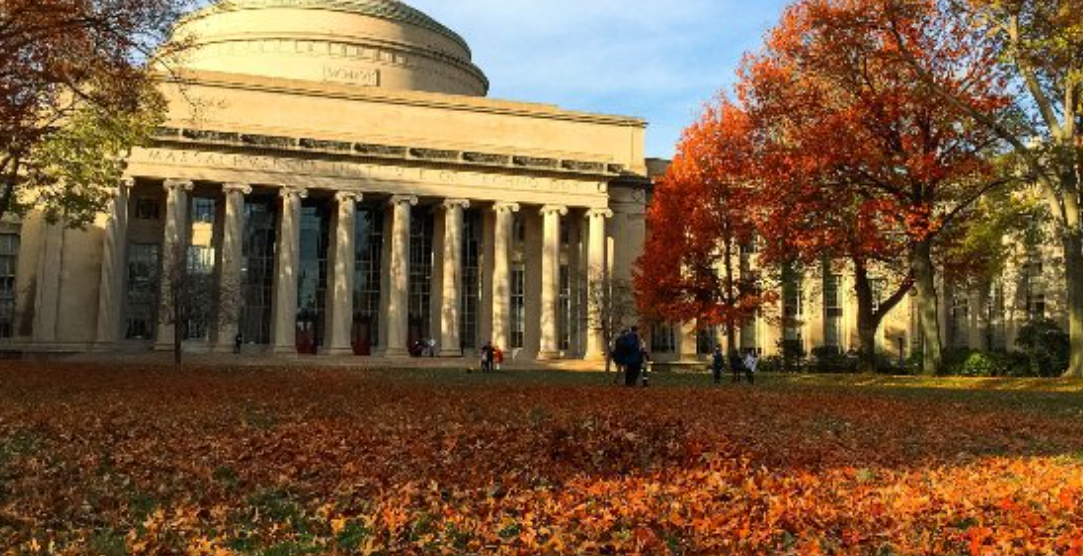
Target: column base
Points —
{"points": [[396, 352], [284, 350], [549, 356], [337, 351], [104, 347]]}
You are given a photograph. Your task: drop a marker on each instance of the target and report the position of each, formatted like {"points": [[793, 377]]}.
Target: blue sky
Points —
{"points": [[656, 60]]}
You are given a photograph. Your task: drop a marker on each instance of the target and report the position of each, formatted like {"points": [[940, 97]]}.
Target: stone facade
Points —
{"points": [[334, 173]]}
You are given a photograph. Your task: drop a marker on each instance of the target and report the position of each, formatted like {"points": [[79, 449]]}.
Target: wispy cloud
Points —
{"points": [[645, 58]]}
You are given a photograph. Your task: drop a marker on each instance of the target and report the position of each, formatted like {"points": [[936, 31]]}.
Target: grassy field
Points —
{"points": [[287, 461]]}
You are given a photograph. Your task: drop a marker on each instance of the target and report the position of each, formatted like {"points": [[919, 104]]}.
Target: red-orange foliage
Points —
{"points": [[294, 461], [702, 215], [860, 160]]}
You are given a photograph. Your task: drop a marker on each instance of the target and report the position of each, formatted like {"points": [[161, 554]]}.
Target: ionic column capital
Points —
{"points": [[554, 209], [451, 204], [506, 207], [232, 187], [291, 191], [126, 183], [600, 213], [398, 200], [186, 185], [345, 197]]}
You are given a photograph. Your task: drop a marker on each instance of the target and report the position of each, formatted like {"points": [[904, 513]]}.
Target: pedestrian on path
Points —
{"points": [[751, 362], [718, 364]]}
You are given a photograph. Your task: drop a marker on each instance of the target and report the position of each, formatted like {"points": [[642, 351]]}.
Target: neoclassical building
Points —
{"points": [[334, 171], [335, 180]]}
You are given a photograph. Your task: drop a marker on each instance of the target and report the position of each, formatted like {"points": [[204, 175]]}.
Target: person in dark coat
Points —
{"points": [[736, 366], [630, 348], [487, 353], [718, 364]]}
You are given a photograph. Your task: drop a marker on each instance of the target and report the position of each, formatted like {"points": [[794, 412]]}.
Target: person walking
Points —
{"points": [[736, 366], [751, 362], [616, 357], [487, 357], [718, 364], [630, 351]]}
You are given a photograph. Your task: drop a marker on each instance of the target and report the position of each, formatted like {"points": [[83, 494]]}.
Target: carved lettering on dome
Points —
{"points": [[364, 77], [434, 154]]}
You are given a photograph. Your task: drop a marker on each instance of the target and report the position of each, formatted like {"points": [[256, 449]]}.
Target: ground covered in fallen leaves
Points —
{"points": [[304, 461]]}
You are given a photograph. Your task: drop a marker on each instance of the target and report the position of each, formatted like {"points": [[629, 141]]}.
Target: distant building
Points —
{"points": [[338, 163]]}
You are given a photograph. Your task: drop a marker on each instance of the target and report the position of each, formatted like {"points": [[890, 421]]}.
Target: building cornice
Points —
{"points": [[226, 140], [409, 98]]}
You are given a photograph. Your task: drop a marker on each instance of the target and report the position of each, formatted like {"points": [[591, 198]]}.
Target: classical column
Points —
{"points": [[111, 290], [341, 307], [289, 247], [597, 279], [229, 292], [48, 292], [399, 291], [502, 244], [174, 252], [550, 294], [453, 272]]}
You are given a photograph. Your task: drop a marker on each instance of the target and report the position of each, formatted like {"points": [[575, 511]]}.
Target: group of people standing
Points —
{"points": [[629, 352], [737, 364]]}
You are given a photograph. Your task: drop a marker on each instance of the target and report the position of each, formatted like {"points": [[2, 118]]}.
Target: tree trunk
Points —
{"points": [[921, 265], [1073, 262], [867, 322]]}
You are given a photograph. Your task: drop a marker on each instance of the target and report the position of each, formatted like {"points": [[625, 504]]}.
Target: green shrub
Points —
{"points": [[831, 360], [1046, 346]]}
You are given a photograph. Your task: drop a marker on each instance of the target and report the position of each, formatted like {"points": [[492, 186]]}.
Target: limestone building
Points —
{"points": [[336, 168]]}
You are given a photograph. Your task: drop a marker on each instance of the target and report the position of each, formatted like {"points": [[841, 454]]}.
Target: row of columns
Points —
{"points": [[340, 300]]}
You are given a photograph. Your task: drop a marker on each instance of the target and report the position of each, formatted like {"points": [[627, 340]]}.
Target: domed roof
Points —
{"points": [[366, 43], [392, 10]]}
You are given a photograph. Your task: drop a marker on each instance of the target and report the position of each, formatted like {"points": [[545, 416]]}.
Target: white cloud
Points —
{"points": [[645, 58]]}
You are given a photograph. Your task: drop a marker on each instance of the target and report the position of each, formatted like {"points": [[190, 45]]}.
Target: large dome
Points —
{"points": [[366, 43]]}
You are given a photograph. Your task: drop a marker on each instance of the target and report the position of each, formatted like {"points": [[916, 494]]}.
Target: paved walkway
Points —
{"points": [[266, 361]]}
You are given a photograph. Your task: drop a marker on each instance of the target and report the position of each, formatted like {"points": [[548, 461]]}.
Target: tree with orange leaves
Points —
{"points": [[861, 159], [702, 215]]}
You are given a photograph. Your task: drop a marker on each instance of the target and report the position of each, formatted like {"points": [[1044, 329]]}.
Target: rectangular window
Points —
{"points": [[1036, 306], [368, 260], [9, 257], [518, 306], [203, 210], [663, 339], [312, 275], [879, 287], [258, 271], [564, 303], [147, 208], [141, 298], [420, 284], [200, 291], [706, 340], [960, 321], [471, 279], [833, 311]]}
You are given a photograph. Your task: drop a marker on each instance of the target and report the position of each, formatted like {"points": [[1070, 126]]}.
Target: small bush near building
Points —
{"points": [[1046, 346], [832, 360]]}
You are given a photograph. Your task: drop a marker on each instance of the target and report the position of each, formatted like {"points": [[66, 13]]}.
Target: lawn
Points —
{"points": [[286, 461]]}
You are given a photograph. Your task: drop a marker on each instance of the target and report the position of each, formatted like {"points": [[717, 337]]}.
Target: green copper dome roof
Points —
{"points": [[391, 10]]}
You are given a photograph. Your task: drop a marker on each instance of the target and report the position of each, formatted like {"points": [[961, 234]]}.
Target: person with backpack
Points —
{"points": [[630, 355]]}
